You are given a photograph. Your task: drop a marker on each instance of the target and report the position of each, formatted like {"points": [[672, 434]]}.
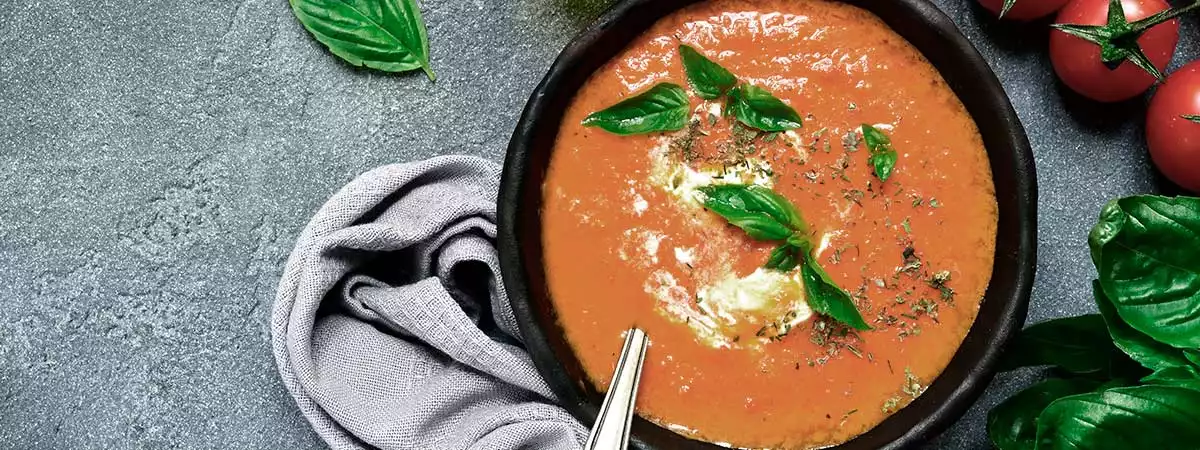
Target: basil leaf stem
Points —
{"points": [[663, 107], [387, 35], [708, 78], [883, 155]]}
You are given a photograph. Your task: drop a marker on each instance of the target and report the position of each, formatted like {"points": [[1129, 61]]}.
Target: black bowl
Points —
{"points": [[1001, 314]]}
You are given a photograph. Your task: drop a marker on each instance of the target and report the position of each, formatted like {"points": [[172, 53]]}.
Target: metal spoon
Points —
{"points": [[611, 430]]}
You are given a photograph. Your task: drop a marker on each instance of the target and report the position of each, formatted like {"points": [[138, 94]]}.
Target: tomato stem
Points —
{"points": [[1008, 4], [1118, 38]]}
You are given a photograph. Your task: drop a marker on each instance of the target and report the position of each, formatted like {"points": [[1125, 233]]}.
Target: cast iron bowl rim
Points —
{"points": [[960, 398]]}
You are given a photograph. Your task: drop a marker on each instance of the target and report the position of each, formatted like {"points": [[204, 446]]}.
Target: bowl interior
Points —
{"points": [[1001, 314]]}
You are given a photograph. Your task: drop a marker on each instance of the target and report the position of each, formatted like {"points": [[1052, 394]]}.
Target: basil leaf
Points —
{"points": [[1143, 417], [1187, 376], [708, 78], [757, 108], [883, 155], [387, 35], [784, 258], [825, 297], [1012, 425], [663, 107], [1149, 353], [737, 202], [1079, 345], [1145, 250]]}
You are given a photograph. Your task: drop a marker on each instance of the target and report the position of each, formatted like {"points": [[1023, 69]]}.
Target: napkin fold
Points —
{"points": [[391, 328]]}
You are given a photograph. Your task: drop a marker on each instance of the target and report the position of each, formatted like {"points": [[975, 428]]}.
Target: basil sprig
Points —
{"points": [[387, 35], [708, 79], [751, 105], [1133, 371], [883, 155], [767, 216], [663, 107]]}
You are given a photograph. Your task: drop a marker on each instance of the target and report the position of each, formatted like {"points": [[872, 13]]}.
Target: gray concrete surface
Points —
{"points": [[157, 159]]}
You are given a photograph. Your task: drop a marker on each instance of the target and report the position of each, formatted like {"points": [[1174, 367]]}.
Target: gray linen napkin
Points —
{"points": [[391, 328]]}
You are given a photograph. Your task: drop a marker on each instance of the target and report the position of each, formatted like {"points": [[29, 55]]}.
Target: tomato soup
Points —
{"points": [[627, 244]]}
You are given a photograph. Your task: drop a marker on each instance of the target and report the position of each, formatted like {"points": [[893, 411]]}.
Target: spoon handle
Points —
{"points": [[611, 431]]}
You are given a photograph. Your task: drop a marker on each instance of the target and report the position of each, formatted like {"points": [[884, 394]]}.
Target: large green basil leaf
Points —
{"points": [[1143, 417], [883, 155], [757, 108], [1012, 425], [1145, 250], [663, 107], [387, 35], [1146, 351], [737, 202], [708, 78], [1079, 345], [825, 297]]}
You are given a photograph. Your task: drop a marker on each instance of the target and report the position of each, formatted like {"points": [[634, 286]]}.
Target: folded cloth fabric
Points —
{"points": [[391, 328]]}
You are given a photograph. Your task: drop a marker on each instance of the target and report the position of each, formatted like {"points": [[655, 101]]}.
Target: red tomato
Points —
{"points": [[1175, 141], [1078, 63], [1025, 9]]}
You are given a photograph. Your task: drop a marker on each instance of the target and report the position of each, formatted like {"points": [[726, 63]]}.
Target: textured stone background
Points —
{"points": [[159, 157]]}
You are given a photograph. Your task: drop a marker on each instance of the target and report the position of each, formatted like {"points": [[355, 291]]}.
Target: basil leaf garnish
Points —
{"points": [[883, 155], [1079, 345], [663, 107], [1142, 348], [708, 78], [1146, 252], [757, 199], [758, 211], [757, 108], [1143, 417], [387, 35], [825, 297], [1012, 425]]}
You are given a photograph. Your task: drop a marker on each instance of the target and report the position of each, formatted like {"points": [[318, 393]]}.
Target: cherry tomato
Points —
{"points": [[1078, 63], [1175, 140], [1025, 9]]}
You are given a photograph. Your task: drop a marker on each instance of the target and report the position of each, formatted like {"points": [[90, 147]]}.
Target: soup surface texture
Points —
{"points": [[737, 357]]}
